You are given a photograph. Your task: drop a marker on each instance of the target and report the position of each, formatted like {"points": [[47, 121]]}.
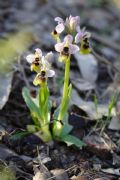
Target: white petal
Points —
{"points": [[70, 17], [88, 35], [30, 58], [73, 48], [50, 73], [83, 29], [77, 20], [67, 22], [60, 28], [45, 63], [78, 37], [68, 38], [38, 51], [49, 56], [72, 23], [59, 47], [59, 20], [78, 28]]}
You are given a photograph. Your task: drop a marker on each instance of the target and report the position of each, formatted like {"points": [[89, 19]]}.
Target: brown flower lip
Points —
{"points": [[37, 59], [86, 43], [86, 46], [65, 51], [43, 73], [42, 77], [86, 39], [55, 32], [36, 63]]}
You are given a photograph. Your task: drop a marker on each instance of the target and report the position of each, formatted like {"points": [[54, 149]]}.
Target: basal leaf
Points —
{"points": [[31, 103], [19, 135], [66, 129], [72, 140]]}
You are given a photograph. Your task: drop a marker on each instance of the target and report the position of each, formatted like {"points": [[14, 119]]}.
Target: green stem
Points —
{"points": [[65, 88], [45, 133], [42, 95]]}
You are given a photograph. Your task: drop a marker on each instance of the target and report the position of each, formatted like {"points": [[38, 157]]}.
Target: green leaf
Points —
{"points": [[112, 104], [66, 129], [65, 119], [31, 103], [56, 113], [19, 135], [72, 140]]}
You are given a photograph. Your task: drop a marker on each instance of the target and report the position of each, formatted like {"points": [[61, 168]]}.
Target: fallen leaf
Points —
{"points": [[78, 178], [114, 123], [5, 88], [89, 107], [41, 173], [98, 144], [112, 171], [88, 67], [82, 85], [39, 176]]}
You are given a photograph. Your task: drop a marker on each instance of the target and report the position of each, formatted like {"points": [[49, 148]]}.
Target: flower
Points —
{"points": [[66, 48], [72, 23], [45, 70], [83, 37], [58, 29], [61, 25], [35, 60]]}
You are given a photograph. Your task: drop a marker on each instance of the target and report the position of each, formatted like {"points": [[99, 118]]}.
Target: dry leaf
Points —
{"points": [[82, 85], [112, 171], [114, 123], [89, 107], [5, 88], [88, 67]]}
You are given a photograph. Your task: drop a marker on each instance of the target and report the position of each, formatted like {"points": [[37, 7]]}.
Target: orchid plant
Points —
{"points": [[75, 40]]}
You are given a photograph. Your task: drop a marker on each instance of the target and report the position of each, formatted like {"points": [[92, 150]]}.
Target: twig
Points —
{"points": [[23, 73], [104, 60], [106, 42], [74, 166]]}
